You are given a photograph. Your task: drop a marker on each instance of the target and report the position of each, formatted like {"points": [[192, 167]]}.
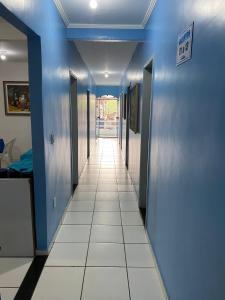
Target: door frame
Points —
{"points": [[73, 132], [37, 117], [117, 123], [146, 129], [128, 126]]}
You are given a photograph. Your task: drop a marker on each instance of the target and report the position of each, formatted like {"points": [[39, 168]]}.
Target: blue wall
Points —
{"points": [[186, 213], [52, 167], [107, 90]]}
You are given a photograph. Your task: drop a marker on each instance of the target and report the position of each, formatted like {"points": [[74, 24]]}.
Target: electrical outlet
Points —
{"points": [[54, 202]]}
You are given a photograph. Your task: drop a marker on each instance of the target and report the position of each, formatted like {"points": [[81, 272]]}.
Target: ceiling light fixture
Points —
{"points": [[106, 75], [93, 4], [3, 56]]}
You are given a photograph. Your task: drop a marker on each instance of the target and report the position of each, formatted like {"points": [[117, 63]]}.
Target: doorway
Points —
{"points": [[121, 121], [16, 157], [107, 117], [127, 125], [74, 132], [88, 124], [21, 91], [145, 138]]}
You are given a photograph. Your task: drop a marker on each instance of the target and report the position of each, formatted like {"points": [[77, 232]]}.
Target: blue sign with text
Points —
{"points": [[184, 45]]}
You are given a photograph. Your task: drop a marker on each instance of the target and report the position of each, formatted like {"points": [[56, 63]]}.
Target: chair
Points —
{"points": [[2, 145], [7, 156]]}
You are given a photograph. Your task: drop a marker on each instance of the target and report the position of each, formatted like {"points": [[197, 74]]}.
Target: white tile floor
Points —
{"points": [[8, 293], [12, 273], [101, 251]]}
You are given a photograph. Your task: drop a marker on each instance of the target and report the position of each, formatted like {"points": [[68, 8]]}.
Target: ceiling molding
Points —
{"points": [[68, 24], [105, 26], [62, 12], [148, 13]]}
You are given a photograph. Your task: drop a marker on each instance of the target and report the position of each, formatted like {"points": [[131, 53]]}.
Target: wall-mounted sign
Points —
{"points": [[184, 45]]}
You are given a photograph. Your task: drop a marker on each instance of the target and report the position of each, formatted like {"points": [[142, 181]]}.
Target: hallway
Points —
{"points": [[59, 59], [101, 251]]}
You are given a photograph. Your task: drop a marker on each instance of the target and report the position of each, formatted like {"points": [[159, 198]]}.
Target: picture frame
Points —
{"points": [[134, 108], [16, 98], [124, 106]]}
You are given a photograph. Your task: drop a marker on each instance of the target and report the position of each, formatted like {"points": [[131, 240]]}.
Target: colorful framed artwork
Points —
{"points": [[134, 108], [17, 98], [124, 106]]}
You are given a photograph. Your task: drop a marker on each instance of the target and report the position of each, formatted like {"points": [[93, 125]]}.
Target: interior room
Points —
{"points": [[15, 120], [17, 237]]}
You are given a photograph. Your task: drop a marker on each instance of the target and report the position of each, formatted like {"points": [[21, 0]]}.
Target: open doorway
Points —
{"points": [[74, 131], [88, 124], [107, 117], [15, 119], [121, 122], [17, 238], [145, 138]]}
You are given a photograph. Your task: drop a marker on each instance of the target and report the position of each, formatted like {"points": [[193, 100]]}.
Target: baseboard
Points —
{"points": [[46, 252], [74, 187], [157, 268], [42, 252]]}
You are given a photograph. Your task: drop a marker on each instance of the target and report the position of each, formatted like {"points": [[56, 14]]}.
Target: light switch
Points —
{"points": [[54, 202], [52, 139]]}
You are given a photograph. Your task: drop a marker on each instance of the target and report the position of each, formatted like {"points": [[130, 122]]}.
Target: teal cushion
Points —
{"points": [[25, 165]]}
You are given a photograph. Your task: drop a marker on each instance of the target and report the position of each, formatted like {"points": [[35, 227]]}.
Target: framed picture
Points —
{"points": [[124, 106], [17, 98], [134, 108]]}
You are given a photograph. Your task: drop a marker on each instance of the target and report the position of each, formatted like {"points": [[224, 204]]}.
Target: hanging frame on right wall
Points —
{"points": [[124, 106], [134, 108]]}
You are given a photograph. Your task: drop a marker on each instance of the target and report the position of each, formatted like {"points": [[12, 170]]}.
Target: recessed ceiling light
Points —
{"points": [[106, 75], [3, 57], [93, 4]]}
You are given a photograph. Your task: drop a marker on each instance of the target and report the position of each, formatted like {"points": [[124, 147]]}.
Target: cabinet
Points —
{"points": [[16, 218]]}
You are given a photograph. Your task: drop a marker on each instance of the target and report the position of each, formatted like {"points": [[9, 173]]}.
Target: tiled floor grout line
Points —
{"points": [[9, 287], [128, 282], [85, 268], [125, 252]]}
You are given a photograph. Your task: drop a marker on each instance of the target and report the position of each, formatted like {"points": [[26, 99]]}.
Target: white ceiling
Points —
{"points": [[12, 42], [109, 13], [102, 57]]}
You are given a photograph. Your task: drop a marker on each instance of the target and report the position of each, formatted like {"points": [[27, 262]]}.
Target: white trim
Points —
{"points": [[68, 24], [148, 13], [47, 252], [42, 253], [105, 26], [62, 12]]}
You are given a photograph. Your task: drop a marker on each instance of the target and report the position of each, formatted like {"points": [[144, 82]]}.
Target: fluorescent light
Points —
{"points": [[106, 75], [93, 4], [3, 57]]}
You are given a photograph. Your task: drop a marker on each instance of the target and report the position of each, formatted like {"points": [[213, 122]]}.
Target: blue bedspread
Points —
{"points": [[25, 164]]}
